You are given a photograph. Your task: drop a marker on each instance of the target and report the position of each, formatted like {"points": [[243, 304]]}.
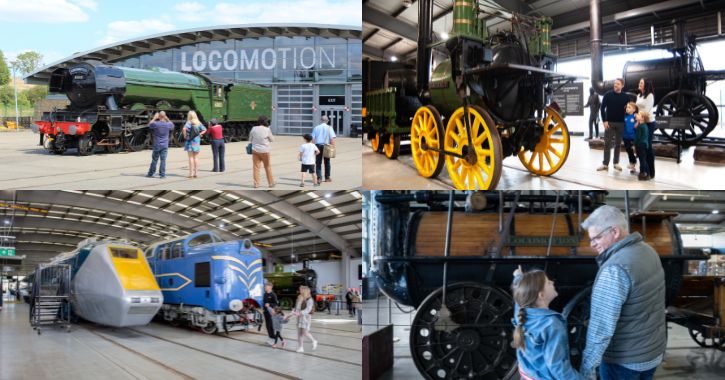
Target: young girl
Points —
{"points": [[641, 142], [540, 334], [628, 136], [302, 310], [278, 319]]}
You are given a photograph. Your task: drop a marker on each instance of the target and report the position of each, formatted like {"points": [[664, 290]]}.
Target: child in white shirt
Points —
{"points": [[307, 154]]}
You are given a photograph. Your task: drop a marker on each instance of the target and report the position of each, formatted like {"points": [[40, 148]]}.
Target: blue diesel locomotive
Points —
{"points": [[111, 283], [209, 283]]}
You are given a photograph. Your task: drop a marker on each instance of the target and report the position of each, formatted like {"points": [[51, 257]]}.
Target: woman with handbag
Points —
{"points": [[192, 131], [324, 137], [259, 139]]}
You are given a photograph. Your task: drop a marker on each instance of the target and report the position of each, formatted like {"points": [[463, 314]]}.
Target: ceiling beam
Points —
{"points": [[300, 217], [387, 22]]}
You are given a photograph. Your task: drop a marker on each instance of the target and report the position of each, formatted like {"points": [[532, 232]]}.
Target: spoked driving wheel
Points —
{"points": [[374, 138], [137, 140], [711, 339], [474, 343], [576, 313], [426, 132], [86, 145], [552, 148], [476, 166], [701, 111], [392, 146]]}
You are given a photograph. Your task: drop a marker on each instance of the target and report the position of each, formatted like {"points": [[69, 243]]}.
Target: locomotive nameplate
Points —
{"points": [[439, 84], [543, 241], [673, 122]]}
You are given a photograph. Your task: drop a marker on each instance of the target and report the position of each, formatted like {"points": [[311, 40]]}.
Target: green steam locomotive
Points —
{"points": [[110, 106]]}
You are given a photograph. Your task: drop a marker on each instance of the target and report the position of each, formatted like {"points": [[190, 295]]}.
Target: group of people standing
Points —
{"points": [[631, 122], [274, 317], [260, 139], [626, 333]]}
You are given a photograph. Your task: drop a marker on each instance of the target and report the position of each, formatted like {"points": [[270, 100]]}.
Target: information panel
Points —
{"points": [[570, 98]]}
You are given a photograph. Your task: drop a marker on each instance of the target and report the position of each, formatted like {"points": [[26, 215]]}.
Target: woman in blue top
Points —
{"points": [[193, 129], [540, 338]]}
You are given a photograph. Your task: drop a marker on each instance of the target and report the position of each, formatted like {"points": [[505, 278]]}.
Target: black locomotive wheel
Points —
{"points": [[712, 340], [86, 145], [137, 140], [177, 139], [286, 303], [210, 328], [322, 305], [474, 343], [576, 313], [114, 148], [702, 113]]}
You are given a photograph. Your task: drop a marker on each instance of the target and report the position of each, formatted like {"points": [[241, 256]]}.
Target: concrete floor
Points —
{"points": [[25, 165], [578, 173], [159, 351], [683, 358]]}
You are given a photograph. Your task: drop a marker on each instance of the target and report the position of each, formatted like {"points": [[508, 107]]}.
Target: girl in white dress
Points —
{"points": [[303, 308]]}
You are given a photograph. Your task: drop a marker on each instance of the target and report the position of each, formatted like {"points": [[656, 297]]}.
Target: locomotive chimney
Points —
{"points": [[678, 35], [595, 21], [425, 28]]}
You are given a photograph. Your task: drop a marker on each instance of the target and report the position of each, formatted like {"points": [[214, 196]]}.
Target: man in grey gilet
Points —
{"points": [[626, 332]]}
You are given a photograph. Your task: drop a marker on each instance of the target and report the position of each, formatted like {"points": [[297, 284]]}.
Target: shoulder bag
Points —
{"points": [[329, 150]]}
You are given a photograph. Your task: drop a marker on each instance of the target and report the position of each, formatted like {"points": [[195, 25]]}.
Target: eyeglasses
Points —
{"points": [[599, 235]]}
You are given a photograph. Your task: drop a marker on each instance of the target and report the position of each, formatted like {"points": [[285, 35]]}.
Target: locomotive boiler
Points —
{"points": [[111, 106], [209, 283], [493, 93], [412, 266], [111, 283], [679, 83], [287, 284]]}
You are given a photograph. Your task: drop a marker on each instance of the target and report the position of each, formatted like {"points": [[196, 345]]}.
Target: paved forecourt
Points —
{"points": [[25, 165]]}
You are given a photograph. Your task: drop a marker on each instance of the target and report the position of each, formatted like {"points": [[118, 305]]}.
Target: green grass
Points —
{"points": [[10, 111]]}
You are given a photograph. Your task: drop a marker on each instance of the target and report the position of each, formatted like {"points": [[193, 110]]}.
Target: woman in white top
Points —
{"points": [[260, 137], [303, 308], [646, 103]]}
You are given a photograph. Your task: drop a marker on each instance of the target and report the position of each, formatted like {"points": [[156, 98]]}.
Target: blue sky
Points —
{"points": [[60, 28]]}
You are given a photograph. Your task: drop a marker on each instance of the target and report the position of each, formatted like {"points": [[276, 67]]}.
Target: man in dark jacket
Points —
{"points": [[270, 302], [627, 328], [614, 103], [593, 104], [348, 301], [160, 127]]}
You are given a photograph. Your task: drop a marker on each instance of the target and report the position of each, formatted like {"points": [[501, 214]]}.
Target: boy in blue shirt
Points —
{"points": [[628, 136]]}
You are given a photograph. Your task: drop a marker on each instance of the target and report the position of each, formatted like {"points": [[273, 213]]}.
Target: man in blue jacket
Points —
{"points": [[160, 127], [627, 328]]}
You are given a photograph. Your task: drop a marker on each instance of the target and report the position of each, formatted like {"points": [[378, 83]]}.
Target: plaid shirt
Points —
{"points": [[610, 292]]}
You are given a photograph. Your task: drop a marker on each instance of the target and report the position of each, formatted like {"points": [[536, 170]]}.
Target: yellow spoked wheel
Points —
{"points": [[480, 167], [426, 131], [392, 146], [552, 149], [374, 138]]}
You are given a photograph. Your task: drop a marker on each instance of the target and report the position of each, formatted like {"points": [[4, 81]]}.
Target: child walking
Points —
{"points": [[303, 308], [308, 151], [540, 336], [628, 136], [278, 319], [641, 142]]}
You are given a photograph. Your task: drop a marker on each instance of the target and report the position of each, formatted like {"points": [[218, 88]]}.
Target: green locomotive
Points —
{"points": [[286, 284], [111, 106]]}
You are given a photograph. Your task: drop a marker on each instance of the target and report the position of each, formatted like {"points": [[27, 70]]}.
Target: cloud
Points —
{"points": [[189, 11], [90, 4], [124, 30], [348, 12], [45, 11]]}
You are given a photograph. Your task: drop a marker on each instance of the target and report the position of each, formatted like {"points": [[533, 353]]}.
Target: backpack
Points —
{"points": [[193, 132]]}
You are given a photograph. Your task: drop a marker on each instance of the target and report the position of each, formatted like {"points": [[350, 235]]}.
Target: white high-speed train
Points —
{"points": [[111, 283]]}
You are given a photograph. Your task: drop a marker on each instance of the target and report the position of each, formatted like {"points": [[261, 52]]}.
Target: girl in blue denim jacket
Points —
{"points": [[540, 337]]}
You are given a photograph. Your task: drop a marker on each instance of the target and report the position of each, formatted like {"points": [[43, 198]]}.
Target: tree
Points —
{"points": [[27, 62], [35, 94], [4, 71]]}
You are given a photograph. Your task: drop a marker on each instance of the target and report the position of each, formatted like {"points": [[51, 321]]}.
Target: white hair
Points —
{"points": [[604, 217], [325, 119]]}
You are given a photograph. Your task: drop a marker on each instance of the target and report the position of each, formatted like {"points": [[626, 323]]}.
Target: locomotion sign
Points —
{"points": [[283, 58]]}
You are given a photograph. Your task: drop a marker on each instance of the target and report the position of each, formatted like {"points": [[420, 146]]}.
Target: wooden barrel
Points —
{"points": [[478, 235]]}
